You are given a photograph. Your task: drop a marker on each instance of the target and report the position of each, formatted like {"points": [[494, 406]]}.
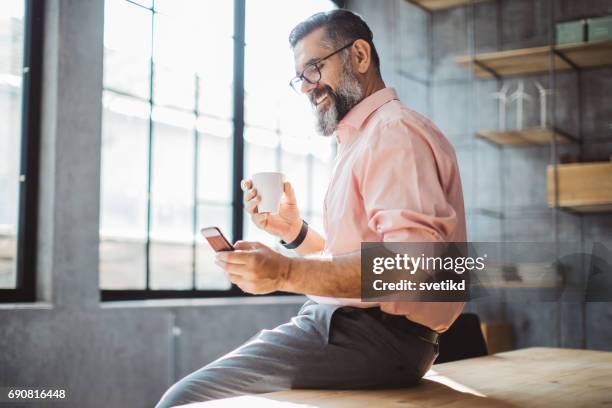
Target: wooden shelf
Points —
{"points": [[582, 187], [538, 59], [523, 137], [436, 5]]}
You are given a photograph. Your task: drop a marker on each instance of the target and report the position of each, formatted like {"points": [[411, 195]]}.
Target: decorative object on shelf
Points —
{"points": [[600, 29], [543, 107], [521, 136], [520, 96], [502, 95], [571, 32], [581, 187]]}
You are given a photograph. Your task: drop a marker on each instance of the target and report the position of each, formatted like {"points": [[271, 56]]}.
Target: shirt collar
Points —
{"points": [[356, 117]]}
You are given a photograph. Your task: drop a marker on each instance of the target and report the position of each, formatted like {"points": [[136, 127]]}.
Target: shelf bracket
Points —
{"points": [[565, 59], [563, 133], [486, 68]]}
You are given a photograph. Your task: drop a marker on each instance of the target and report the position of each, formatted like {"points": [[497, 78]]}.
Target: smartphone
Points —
{"points": [[216, 239]]}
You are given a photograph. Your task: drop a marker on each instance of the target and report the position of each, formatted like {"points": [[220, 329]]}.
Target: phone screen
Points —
{"points": [[216, 239]]}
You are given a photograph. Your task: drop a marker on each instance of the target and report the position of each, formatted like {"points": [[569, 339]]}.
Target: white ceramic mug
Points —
{"points": [[269, 186]]}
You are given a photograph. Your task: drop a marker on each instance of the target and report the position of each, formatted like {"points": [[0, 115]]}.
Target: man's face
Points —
{"points": [[337, 91]]}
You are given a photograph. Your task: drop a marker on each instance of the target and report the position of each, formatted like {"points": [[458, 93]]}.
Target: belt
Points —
{"points": [[400, 322]]}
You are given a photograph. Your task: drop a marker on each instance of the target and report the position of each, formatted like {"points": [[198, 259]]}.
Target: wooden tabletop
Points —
{"points": [[533, 377]]}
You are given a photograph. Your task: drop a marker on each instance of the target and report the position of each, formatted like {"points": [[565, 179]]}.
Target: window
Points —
{"points": [[20, 63], [168, 137]]}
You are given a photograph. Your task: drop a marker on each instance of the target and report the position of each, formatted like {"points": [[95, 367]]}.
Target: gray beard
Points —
{"points": [[349, 93]]}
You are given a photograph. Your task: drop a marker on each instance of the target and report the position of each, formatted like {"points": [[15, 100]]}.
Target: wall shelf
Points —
{"points": [[582, 187], [523, 137], [537, 59], [436, 5]]}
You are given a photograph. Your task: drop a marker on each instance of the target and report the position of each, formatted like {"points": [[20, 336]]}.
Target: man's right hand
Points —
{"points": [[286, 224]]}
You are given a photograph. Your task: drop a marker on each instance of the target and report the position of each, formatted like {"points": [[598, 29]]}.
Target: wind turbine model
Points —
{"points": [[502, 95], [543, 94], [520, 96]]}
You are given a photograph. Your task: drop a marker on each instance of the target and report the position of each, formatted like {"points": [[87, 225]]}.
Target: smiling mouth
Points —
{"points": [[320, 99]]}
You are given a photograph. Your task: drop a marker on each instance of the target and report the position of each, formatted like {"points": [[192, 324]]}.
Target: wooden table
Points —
{"points": [[533, 377]]}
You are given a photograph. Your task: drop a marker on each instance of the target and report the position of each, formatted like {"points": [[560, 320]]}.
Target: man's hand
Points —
{"points": [[286, 224], [254, 267]]}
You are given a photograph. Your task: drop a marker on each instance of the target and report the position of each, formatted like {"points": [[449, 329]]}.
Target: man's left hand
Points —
{"points": [[254, 267]]}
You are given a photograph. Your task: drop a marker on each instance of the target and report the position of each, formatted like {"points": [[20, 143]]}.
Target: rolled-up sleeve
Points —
{"points": [[399, 179]]}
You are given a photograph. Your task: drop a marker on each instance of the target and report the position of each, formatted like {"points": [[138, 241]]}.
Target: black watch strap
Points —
{"points": [[300, 238]]}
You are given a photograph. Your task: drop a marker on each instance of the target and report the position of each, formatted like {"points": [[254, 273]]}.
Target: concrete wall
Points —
{"points": [[125, 355], [104, 355], [504, 188]]}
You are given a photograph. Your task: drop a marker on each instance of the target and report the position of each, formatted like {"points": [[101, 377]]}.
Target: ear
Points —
{"points": [[362, 55]]}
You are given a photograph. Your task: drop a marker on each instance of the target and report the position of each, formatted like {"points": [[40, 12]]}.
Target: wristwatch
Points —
{"points": [[299, 239]]}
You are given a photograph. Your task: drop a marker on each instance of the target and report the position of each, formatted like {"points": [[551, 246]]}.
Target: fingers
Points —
{"points": [[239, 256], [289, 193], [251, 205], [232, 268], [247, 245], [246, 185], [249, 195], [251, 199]]}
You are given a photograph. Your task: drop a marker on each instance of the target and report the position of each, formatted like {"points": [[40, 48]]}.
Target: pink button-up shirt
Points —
{"points": [[395, 179]]}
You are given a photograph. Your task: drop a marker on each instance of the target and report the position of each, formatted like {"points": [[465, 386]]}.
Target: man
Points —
{"points": [[395, 179]]}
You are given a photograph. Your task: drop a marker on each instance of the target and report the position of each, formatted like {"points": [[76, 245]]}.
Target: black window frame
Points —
{"points": [[27, 224]]}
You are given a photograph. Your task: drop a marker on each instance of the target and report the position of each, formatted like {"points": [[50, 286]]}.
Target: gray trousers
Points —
{"points": [[324, 346]]}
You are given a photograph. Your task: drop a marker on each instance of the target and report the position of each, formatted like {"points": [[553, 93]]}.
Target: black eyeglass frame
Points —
{"points": [[301, 77]]}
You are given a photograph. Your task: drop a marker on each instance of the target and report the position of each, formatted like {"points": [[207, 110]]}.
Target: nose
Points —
{"points": [[306, 87]]}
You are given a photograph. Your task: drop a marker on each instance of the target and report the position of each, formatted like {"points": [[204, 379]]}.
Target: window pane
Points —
{"points": [[215, 94], [122, 264], [215, 161], [172, 200], [194, 37], [209, 276], [127, 47], [171, 265], [174, 88], [123, 211], [260, 151], [11, 62]]}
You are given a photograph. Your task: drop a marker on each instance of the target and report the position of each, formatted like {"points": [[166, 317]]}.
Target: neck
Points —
{"points": [[373, 85]]}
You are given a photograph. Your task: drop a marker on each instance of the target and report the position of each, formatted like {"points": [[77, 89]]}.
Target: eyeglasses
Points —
{"points": [[312, 71]]}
